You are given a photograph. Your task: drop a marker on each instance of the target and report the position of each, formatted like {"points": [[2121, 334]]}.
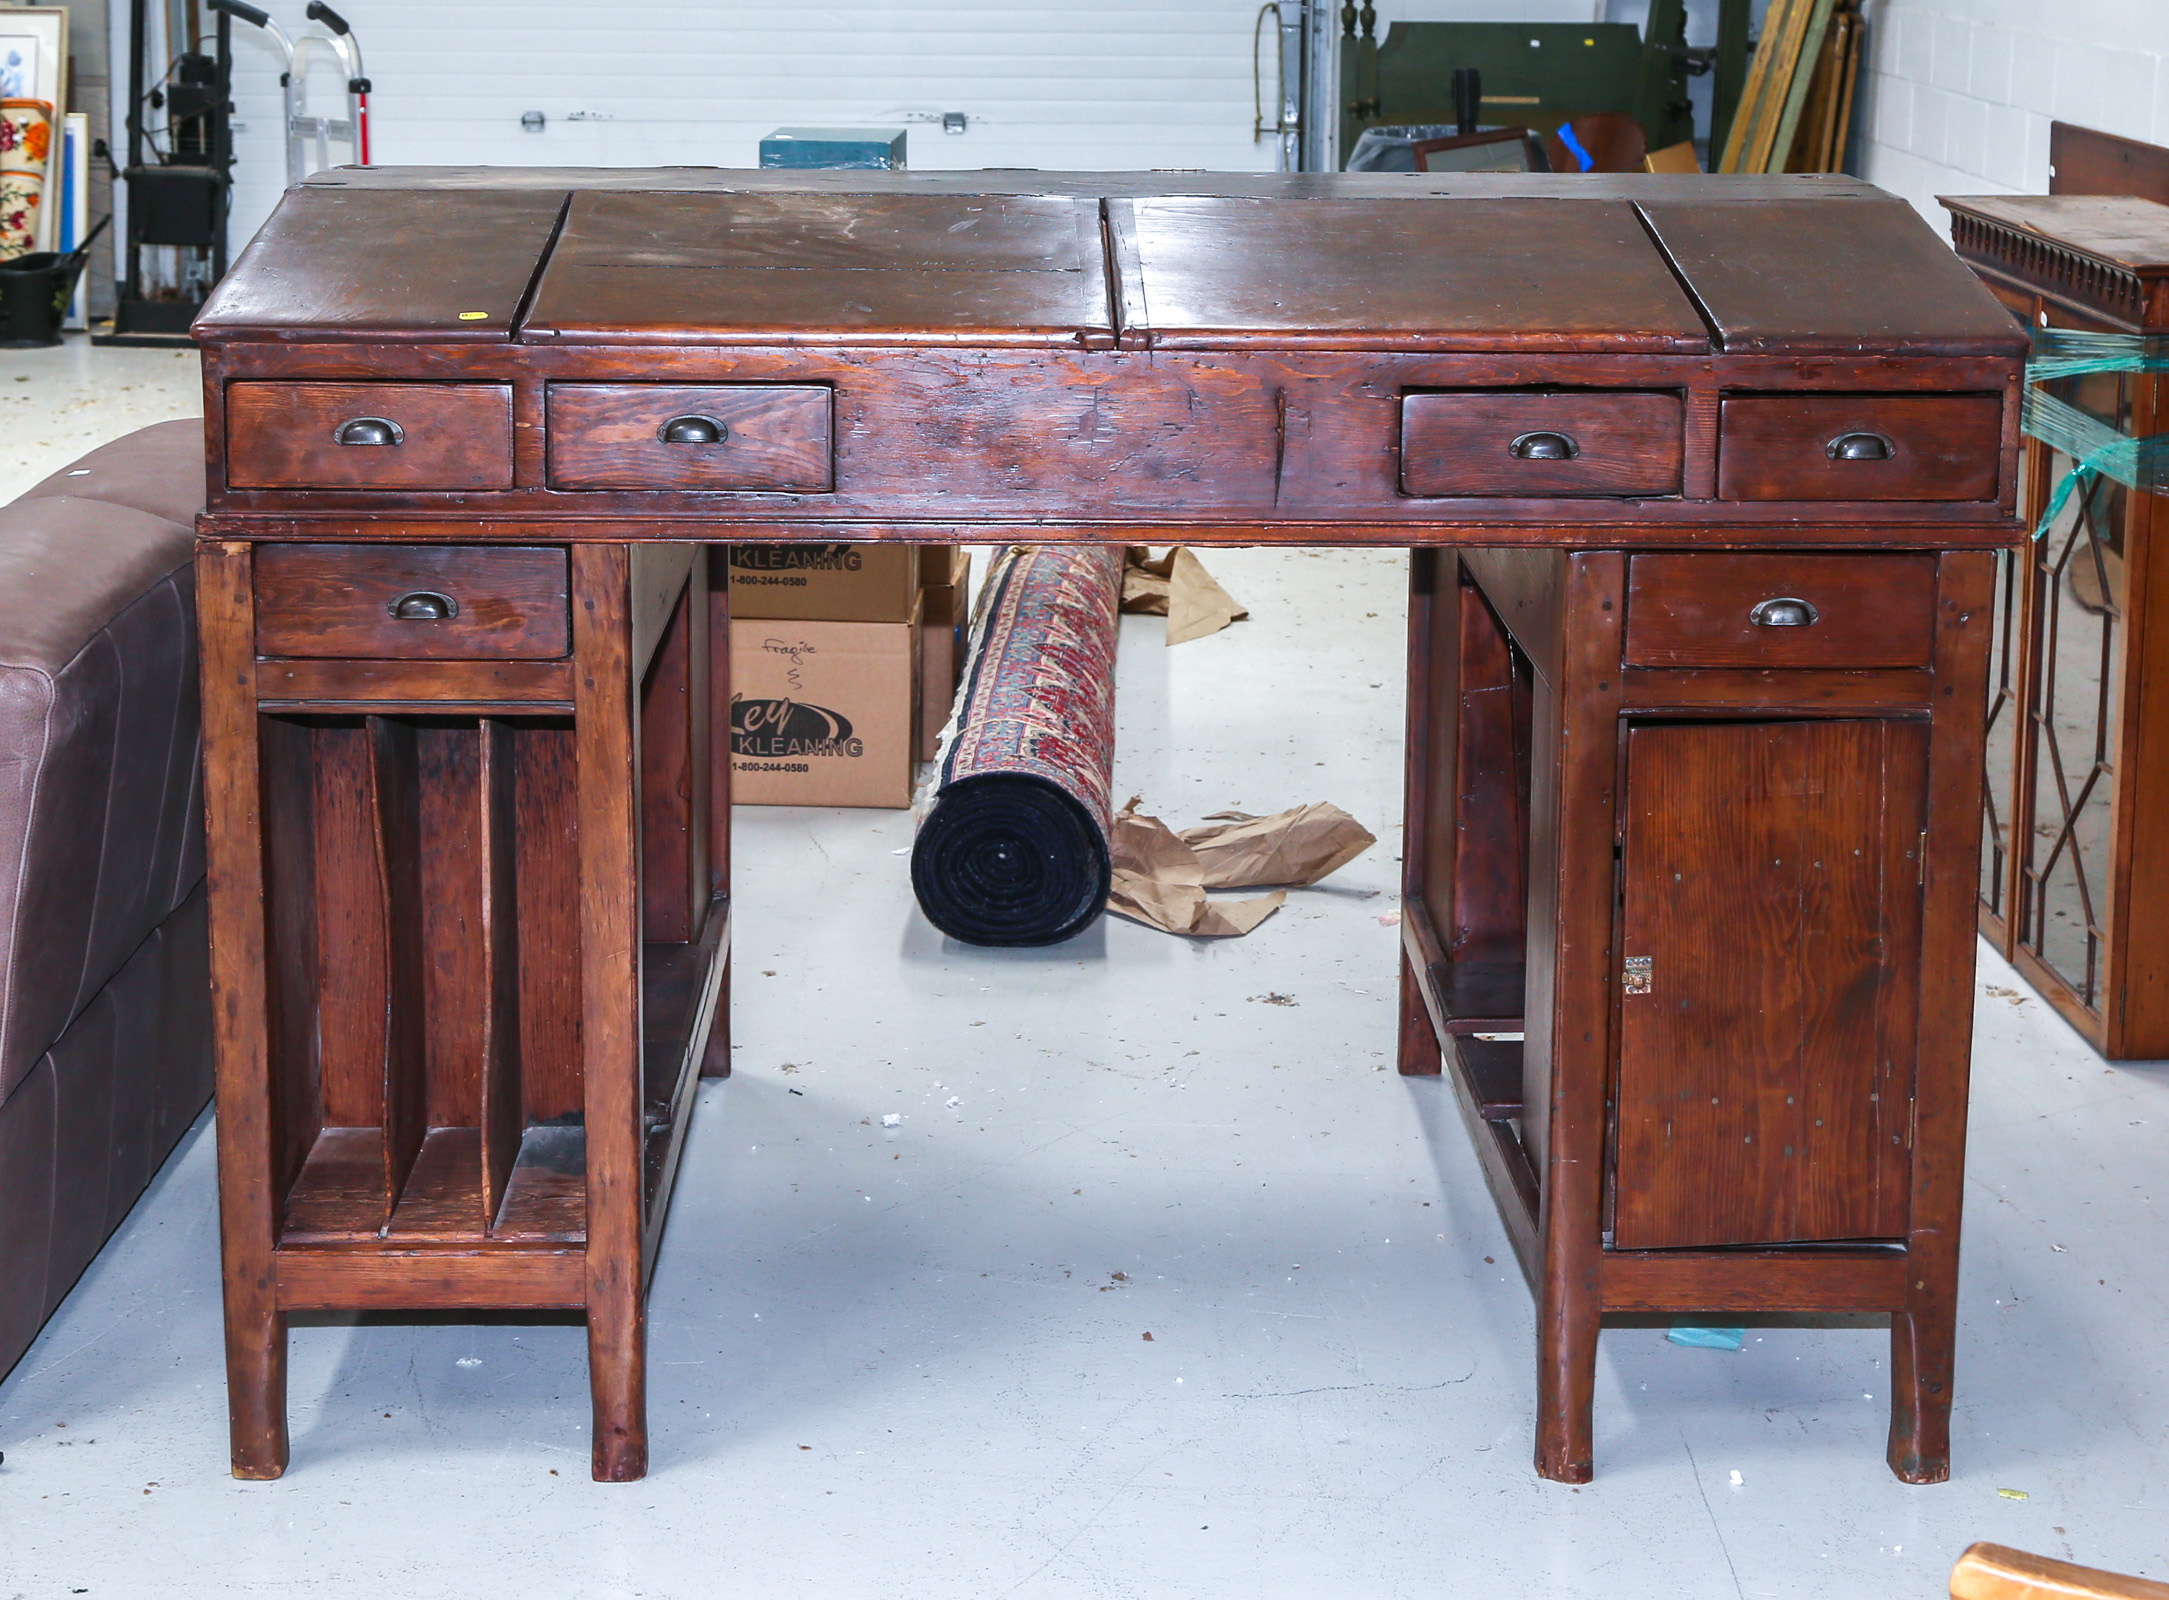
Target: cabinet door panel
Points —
{"points": [[1772, 886]]}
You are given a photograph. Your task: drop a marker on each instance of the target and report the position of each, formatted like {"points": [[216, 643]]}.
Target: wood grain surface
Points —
{"points": [[1464, 444], [338, 601], [1778, 447], [1698, 610], [450, 436], [609, 436]]}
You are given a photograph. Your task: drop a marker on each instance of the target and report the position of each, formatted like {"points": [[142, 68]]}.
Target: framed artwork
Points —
{"points": [[34, 67]]}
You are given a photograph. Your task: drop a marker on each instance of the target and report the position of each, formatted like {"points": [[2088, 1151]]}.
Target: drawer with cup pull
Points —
{"points": [[1859, 446], [375, 602], [369, 435], [1513, 442], [725, 436], [1723, 609]]}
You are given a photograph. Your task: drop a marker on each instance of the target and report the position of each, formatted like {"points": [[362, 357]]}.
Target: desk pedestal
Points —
{"points": [[1720, 884]]}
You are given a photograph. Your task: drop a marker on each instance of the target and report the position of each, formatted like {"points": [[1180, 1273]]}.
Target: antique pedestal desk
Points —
{"points": [[1703, 481]]}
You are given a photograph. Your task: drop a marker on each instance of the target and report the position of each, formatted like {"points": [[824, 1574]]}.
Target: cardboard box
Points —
{"points": [[823, 713], [944, 636], [825, 582]]}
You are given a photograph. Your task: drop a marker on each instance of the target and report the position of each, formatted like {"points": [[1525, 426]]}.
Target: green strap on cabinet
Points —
{"points": [[2096, 449]]}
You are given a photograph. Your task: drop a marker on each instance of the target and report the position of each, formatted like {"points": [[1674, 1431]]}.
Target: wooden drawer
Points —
{"points": [[369, 435], [1780, 611], [498, 602], [1859, 446], [1499, 442], [689, 436]]}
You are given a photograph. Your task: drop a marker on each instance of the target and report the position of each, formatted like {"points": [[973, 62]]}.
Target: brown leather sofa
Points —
{"points": [[105, 1056]]}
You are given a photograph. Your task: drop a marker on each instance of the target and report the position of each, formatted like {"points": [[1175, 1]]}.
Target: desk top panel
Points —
{"points": [[793, 268], [1804, 277], [2121, 230], [1476, 275], [1388, 262], [390, 265]]}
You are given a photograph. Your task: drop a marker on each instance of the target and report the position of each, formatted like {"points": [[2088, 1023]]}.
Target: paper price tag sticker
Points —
{"points": [[474, 316]]}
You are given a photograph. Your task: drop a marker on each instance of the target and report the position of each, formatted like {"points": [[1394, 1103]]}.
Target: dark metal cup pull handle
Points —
{"points": [[424, 605], [1860, 447], [1784, 612], [694, 430], [1544, 447], [369, 430]]}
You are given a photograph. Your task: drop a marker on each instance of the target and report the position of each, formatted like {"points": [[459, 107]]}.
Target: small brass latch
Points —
{"points": [[1634, 978]]}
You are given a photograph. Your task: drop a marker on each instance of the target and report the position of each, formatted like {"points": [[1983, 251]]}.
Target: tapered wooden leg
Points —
{"points": [[1567, 1051], [248, 1180], [606, 732], [1419, 1053], [1922, 1344], [716, 1061], [256, 1384], [1566, 1383], [1923, 1336]]}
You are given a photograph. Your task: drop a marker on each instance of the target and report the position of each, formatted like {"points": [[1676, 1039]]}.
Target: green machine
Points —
{"points": [[1539, 73]]}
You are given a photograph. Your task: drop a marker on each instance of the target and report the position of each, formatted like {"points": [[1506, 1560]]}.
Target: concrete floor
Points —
{"points": [[913, 1363]]}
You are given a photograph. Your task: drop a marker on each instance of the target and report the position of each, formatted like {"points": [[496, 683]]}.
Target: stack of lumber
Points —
{"points": [[1797, 108]]}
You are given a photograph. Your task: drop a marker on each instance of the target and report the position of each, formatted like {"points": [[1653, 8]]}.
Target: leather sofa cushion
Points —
{"points": [[158, 470], [100, 802]]}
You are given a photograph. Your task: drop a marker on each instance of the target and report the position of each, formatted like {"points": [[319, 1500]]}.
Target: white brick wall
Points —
{"points": [[1959, 94]]}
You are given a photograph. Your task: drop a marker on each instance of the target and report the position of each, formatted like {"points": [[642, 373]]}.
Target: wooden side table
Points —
{"points": [[2075, 875]]}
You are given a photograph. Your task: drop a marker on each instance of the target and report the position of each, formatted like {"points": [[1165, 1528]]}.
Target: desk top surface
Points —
{"points": [[1447, 263]]}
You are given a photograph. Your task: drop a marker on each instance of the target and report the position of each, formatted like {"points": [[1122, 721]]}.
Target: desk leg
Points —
{"points": [[716, 1063], [1568, 1049], [607, 739], [247, 1158], [1427, 569], [1924, 1335]]}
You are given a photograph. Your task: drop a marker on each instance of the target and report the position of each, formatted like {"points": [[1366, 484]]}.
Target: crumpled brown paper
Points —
{"points": [[1177, 586], [1161, 877]]}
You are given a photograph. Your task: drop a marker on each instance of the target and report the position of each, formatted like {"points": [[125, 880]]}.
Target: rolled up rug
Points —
{"points": [[1013, 848]]}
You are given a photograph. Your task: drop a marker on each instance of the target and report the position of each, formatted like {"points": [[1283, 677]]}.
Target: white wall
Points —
{"points": [[1961, 92], [1108, 84]]}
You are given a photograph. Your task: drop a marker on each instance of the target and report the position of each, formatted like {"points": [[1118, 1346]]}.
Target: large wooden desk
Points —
{"points": [[1703, 479]]}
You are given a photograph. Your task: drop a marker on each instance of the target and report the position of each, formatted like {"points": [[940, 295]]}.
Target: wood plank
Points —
{"points": [[1754, 1281], [1463, 275], [444, 686], [867, 270], [659, 575], [366, 276], [1569, 1022], [1775, 277], [443, 1198], [1426, 855], [455, 955], [546, 1194], [286, 752], [546, 878], [673, 872], [1743, 689], [429, 1280], [501, 1113], [1924, 1336], [2087, 161], [681, 990], [404, 1063], [352, 998], [339, 1195], [607, 737]]}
